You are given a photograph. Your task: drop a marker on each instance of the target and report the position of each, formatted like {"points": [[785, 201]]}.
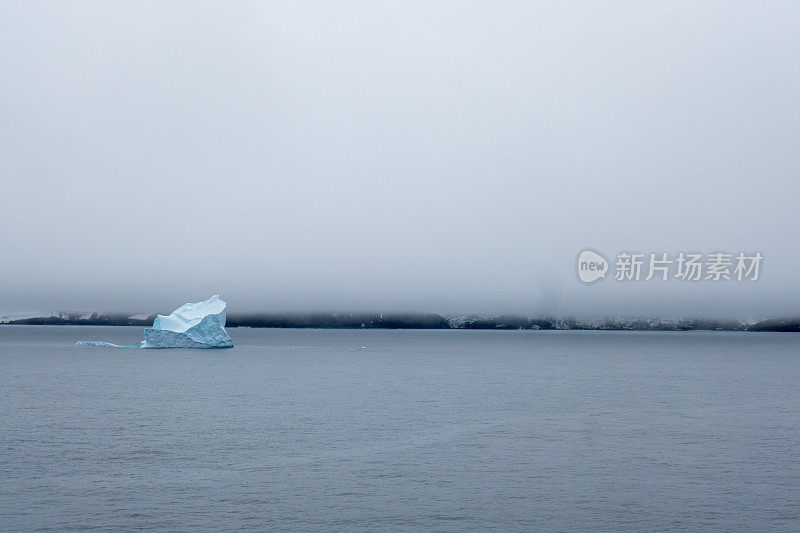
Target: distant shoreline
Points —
{"points": [[422, 321]]}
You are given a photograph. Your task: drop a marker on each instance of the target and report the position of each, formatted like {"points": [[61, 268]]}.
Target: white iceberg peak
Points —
{"points": [[193, 325]]}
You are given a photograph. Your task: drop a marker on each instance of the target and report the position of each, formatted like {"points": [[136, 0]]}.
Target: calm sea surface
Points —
{"points": [[324, 430]]}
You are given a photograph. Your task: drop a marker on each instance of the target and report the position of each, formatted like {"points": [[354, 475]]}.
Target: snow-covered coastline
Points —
{"points": [[419, 321]]}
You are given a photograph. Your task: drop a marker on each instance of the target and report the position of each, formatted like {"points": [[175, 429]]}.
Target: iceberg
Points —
{"points": [[193, 325]]}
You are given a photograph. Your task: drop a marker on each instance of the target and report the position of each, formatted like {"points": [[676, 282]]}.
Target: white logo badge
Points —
{"points": [[591, 266]]}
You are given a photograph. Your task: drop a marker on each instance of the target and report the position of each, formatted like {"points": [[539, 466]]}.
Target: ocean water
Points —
{"points": [[365, 430]]}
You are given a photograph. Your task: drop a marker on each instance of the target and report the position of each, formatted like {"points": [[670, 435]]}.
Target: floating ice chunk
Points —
{"points": [[97, 343], [194, 325]]}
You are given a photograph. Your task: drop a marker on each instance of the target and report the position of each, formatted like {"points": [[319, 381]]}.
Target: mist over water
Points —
{"points": [[451, 158]]}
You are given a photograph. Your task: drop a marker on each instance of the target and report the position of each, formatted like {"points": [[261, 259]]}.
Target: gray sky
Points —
{"points": [[430, 156]]}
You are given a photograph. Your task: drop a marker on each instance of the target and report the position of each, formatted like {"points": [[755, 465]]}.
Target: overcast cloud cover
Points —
{"points": [[420, 156]]}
